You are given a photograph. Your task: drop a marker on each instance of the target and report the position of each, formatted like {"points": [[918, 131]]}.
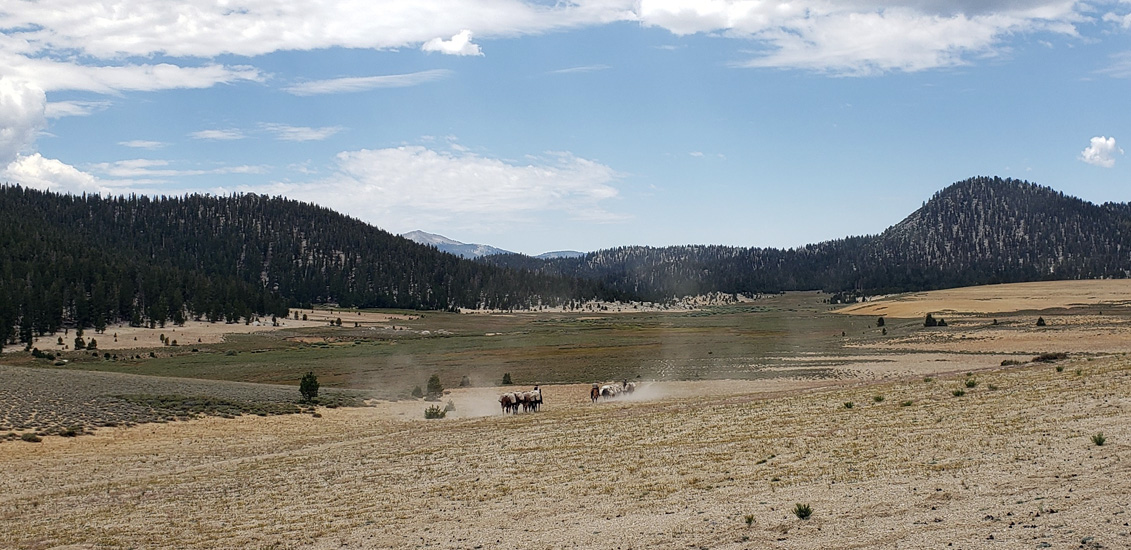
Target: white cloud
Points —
{"points": [[403, 186], [582, 69], [363, 83], [284, 132], [22, 116], [1120, 65], [698, 154], [1101, 152], [134, 171], [143, 144], [860, 37], [218, 135], [460, 44], [60, 109], [49, 174]]}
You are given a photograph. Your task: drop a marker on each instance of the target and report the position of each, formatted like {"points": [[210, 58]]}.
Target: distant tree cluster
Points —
{"points": [[89, 261]]}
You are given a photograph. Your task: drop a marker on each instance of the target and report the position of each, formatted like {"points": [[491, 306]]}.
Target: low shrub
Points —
{"points": [[878, 398], [1010, 362], [958, 393], [970, 383], [849, 404], [1099, 439], [451, 406], [907, 403], [1050, 357], [31, 438], [434, 412]]}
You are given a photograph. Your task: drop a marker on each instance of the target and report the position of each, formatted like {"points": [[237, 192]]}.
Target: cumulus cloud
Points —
{"points": [[284, 132], [403, 186], [460, 44], [218, 135], [363, 83], [1101, 152], [49, 174], [22, 116]]}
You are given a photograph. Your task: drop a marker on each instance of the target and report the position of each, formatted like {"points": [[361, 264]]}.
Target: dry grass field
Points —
{"points": [[927, 456]]}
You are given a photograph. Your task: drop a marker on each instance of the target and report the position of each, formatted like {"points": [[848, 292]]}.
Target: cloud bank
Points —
{"points": [[403, 187]]}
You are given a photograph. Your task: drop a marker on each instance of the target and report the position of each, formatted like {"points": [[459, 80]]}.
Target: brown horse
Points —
{"points": [[594, 393]]}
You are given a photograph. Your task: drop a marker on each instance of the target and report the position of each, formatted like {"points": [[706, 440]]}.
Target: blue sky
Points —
{"points": [[537, 126]]}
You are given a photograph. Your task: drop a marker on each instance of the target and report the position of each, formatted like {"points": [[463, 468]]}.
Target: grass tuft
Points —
{"points": [[802, 511]]}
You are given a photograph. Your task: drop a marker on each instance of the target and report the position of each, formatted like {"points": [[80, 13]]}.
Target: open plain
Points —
{"points": [[741, 414]]}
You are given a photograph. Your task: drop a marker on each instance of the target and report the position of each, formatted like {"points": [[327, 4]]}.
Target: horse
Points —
{"points": [[594, 393]]}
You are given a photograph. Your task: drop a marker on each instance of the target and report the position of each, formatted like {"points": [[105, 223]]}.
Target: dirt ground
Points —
{"points": [[927, 456], [1006, 298], [122, 336]]}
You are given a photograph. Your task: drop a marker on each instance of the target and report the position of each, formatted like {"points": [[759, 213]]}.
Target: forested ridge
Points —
{"points": [[87, 261], [978, 231]]}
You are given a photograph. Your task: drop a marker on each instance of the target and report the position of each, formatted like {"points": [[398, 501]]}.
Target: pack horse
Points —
{"points": [[526, 401]]}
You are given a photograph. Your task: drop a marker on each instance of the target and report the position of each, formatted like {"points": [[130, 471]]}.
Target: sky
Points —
{"points": [[536, 126]]}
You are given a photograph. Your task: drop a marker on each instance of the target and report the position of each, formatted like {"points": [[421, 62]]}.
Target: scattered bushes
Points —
{"points": [[1050, 357], [932, 321], [802, 511], [1010, 362]]}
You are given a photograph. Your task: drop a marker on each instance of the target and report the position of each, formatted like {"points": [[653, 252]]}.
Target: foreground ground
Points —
{"points": [[928, 456]]}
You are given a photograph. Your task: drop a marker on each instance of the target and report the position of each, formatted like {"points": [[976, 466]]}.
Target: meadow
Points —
{"points": [[917, 438]]}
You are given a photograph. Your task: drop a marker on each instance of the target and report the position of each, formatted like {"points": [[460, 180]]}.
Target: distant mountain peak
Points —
{"points": [[452, 246]]}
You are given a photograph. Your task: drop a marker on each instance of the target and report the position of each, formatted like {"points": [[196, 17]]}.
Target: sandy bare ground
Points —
{"points": [[123, 336], [921, 469], [1007, 298]]}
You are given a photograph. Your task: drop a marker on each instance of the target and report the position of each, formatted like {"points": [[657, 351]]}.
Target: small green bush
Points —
{"points": [[849, 404], [434, 412], [434, 385], [1010, 362], [31, 438], [878, 398], [1060, 368], [958, 393], [928, 379], [1099, 439], [308, 387], [907, 403], [417, 392], [802, 511], [749, 519], [970, 383], [992, 387], [1050, 357]]}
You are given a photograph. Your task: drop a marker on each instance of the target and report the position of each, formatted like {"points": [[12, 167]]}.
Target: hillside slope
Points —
{"points": [[977, 231]]}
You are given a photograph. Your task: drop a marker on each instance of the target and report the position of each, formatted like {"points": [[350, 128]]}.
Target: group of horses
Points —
{"points": [[531, 401], [528, 401], [610, 391]]}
